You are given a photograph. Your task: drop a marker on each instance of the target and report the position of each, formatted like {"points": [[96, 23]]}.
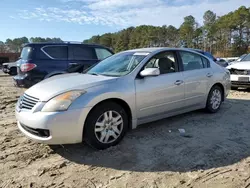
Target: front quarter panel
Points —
{"points": [[120, 89]]}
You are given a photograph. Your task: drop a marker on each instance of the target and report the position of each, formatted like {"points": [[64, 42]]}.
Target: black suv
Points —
{"points": [[39, 61]]}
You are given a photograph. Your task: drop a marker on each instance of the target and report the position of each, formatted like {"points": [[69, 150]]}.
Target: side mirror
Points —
{"points": [[150, 72]]}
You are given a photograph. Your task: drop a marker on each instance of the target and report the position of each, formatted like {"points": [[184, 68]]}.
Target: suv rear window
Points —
{"points": [[26, 53], [56, 52]]}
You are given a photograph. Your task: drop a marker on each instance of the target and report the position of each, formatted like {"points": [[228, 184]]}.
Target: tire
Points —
{"points": [[217, 93], [97, 127], [13, 71]]}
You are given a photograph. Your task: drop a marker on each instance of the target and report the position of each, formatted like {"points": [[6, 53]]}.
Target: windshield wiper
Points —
{"points": [[94, 74]]}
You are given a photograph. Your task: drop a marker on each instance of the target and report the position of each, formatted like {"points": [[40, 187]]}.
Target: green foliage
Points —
{"points": [[16, 44], [226, 35], [40, 39]]}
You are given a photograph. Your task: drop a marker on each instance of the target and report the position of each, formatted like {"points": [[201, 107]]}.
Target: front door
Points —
{"points": [[197, 74], [81, 57], [157, 95]]}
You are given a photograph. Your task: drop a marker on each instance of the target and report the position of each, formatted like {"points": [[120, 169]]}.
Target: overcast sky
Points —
{"points": [[76, 20]]}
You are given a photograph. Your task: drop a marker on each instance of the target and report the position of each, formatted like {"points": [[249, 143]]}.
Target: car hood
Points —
{"points": [[243, 65], [56, 85]]}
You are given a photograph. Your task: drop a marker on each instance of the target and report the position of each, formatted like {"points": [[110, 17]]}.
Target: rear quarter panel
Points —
{"points": [[221, 75], [46, 65]]}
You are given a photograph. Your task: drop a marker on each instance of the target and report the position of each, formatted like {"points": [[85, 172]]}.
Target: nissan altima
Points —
{"points": [[118, 94]]}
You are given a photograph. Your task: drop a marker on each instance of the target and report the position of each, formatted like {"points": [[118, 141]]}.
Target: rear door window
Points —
{"points": [[102, 53], [56, 52], [78, 52], [191, 61], [206, 63]]}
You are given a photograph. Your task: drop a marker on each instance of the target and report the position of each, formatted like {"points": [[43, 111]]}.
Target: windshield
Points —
{"points": [[246, 58], [26, 53], [119, 64]]}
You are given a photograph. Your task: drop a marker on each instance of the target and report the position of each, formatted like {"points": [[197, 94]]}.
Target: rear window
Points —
{"points": [[26, 53], [102, 53], [210, 56], [78, 52], [56, 52]]}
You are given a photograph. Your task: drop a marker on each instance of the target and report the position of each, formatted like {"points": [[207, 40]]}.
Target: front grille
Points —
{"points": [[38, 132], [240, 72], [27, 102]]}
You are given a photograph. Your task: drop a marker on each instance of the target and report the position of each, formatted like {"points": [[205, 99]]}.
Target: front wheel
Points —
{"points": [[214, 99], [105, 126]]}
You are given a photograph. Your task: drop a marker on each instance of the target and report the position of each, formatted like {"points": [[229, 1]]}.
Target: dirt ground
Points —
{"points": [[215, 153]]}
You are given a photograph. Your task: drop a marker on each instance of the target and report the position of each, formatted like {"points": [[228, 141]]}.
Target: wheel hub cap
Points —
{"points": [[108, 127], [216, 99]]}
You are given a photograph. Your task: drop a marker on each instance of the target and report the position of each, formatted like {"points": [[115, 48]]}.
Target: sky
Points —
{"points": [[76, 20]]}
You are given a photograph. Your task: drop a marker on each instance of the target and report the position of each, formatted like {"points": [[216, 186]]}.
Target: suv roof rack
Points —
{"points": [[73, 42]]}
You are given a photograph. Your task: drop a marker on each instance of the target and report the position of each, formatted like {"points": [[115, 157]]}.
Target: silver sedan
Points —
{"points": [[119, 93]]}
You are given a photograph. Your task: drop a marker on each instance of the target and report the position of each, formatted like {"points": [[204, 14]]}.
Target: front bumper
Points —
{"points": [[61, 127], [240, 80]]}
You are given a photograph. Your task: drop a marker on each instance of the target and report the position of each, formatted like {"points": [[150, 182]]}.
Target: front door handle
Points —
{"points": [[209, 75], [73, 63], [178, 82]]}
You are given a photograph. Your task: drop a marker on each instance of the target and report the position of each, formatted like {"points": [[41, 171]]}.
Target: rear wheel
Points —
{"points": [[214, 99], [105, 126]]}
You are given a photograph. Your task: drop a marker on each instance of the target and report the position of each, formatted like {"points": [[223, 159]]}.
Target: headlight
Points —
{"points": [[62, 101]]}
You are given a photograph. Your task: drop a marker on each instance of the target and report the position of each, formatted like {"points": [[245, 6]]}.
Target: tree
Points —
{"points": [[209, 29], [106, 40], [2, 47], [187, 30], [227, 35], [15, 45], [40, 39]]}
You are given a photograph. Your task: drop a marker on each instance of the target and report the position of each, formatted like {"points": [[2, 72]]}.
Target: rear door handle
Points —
{"points": [[178, 82], [209, 74], [73, 63]]}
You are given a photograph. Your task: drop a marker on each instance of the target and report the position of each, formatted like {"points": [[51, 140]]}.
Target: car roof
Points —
{"points": [[63, 43], [159, 49]]}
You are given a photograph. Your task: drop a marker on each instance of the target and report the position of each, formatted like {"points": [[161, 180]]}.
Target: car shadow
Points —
{"points": [[210, 141]]}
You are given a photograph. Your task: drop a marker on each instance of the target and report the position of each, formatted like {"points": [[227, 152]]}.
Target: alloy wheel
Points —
{"points": [[108, 127]]}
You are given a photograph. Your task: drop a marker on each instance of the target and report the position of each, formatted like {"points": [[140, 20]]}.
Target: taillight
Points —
{"points": [[27, 67]]}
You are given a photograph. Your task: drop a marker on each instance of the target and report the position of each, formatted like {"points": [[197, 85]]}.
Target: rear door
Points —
{"points": [[51, 58], [82, 57], [197, 75]]}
